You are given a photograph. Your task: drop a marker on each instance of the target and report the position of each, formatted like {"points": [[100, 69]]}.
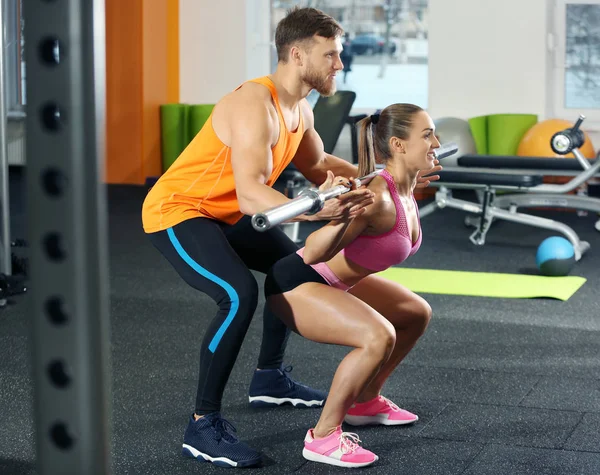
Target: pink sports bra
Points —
{"points": [[377, 253]]}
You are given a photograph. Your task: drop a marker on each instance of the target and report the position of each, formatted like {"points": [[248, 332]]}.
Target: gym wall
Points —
{"points": [[168, 51], [142, 72], [487, 57], [222, 44]]}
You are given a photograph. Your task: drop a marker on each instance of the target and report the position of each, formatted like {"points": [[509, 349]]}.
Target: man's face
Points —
{"points": [[321, 63]]}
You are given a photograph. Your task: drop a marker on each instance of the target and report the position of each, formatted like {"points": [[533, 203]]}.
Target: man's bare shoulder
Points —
{"points": [[249, 94], [249, 104]]}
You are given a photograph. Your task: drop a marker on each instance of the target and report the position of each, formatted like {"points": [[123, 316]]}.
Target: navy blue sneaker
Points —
{"points": [[211, 439], [273, 387]]}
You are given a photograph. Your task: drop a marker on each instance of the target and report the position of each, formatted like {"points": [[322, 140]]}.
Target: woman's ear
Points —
{"points": [[397, 145]]}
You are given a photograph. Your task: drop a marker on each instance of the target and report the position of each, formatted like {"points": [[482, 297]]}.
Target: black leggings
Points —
{"points": [[289, 273], [216, 258]]}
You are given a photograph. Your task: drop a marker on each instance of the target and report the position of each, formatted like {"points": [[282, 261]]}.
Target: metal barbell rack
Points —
{"points": [[66, 217]]}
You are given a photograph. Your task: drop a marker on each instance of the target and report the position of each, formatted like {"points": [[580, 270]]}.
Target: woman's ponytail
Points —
{"points": [[366, 151]]}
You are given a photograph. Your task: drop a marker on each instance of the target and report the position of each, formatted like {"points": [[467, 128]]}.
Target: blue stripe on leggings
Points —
{"points": [[233, 296]]}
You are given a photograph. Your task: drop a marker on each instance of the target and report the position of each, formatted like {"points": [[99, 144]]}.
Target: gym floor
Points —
{"points": [[501, 386]]}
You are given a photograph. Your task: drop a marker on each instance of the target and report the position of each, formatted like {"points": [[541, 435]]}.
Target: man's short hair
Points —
{"points": [[301, 25]]}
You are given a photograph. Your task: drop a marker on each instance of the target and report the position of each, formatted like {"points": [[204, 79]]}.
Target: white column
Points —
{"points": [[487, 56], [222, 44]]}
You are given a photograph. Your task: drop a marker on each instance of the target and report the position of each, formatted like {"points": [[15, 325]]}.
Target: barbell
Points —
{"points": [[311, 200]]}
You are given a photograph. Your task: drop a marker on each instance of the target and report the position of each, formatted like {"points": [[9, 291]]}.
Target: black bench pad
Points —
{"points": [[499, 179], [530, 163]]}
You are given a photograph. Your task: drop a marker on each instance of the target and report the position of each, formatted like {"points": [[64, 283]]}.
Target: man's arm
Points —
{"points": [[251, 134], [313, 162], [253, 127], [311, 159]]}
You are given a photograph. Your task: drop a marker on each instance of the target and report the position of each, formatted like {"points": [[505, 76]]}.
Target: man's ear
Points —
{"points": [[297, 55]]}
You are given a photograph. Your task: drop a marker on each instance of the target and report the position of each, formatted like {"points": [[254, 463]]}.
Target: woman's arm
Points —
{"points": [[325, 243]]}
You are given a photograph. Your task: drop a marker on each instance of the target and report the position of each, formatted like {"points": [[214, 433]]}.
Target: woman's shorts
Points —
{"points": [[291, 271]]}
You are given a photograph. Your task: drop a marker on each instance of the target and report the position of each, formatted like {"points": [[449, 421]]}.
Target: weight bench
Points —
{"points": [[523, 179]]}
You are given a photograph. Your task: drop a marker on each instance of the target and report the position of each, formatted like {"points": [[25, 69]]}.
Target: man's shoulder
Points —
{"points": [[249, 107], [249, 95], [253, 91]]}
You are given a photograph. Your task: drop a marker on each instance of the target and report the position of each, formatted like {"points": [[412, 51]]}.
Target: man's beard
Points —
{"points": [[323, 86]]}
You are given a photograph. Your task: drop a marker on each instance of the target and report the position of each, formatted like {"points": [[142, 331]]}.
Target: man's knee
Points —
{"points": [[241, 296]]}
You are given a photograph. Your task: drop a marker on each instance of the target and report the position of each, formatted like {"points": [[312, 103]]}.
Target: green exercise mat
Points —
{"points": [[484, 284], [174, 132], [505, 132], [500, 134], [199, 114], [479, 132]]}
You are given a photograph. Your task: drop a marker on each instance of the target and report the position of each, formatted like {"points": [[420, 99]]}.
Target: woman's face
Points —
{"points": [[420, 146]]}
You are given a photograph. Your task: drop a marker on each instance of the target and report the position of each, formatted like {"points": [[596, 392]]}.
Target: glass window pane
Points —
{"points": [[21, 56], [385, 52], [582, 56], [13, 54]]}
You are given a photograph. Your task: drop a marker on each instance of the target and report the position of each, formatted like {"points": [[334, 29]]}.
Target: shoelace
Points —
{"points": [[349, 442], [390, 403], [223, 429], [291, 383]]}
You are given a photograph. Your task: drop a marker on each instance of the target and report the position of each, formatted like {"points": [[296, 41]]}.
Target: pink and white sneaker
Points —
{"points": [[339, 448], [378, 411]]}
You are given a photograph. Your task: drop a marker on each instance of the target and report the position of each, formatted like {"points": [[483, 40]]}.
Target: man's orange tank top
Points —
{"points": [[200, 182]]}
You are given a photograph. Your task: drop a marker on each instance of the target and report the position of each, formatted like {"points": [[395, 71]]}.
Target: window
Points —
{"points": [[14, 84], [387, 40], [14, 56], [577, 59]]}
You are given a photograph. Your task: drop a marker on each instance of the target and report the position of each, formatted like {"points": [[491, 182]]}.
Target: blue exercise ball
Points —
{"points": [[555, 256]]}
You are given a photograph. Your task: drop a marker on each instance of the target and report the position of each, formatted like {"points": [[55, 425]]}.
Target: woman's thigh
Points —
{"points": [[328, 315], [396, 303]]}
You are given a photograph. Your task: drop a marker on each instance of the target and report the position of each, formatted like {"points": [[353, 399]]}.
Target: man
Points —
{"points": [[347, 56], [198, 216]]}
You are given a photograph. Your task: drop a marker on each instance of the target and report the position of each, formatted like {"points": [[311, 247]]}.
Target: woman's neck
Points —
{"points": [[405, 179]]}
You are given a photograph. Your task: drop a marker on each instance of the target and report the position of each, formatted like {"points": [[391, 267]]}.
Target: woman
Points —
{"points": [[329, 291]]}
